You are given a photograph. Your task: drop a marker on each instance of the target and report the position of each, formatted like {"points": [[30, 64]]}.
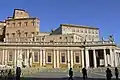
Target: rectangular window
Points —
{"points": [[33, 23], [13, 34], [96, 32], [49, 58], [35, 57], [51, 40], [77, 59], [10, 56], [63, 59], [73, 30], [13, 24], [19, 24], [8, 24], [77, 30], [81, 31], [89, 31], [26, 23]]}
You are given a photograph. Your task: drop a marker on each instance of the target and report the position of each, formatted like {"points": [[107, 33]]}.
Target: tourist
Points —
{"points": [[116, 73], [70, 74], [2, 72], [84, 72], [18, 73], [9, 74], [108, 74]]}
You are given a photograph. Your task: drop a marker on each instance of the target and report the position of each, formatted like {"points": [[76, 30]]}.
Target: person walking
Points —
{"points": [[9, 74], [116, 73], [108, 74], [18, 73], [84, 72], [70, 74]]}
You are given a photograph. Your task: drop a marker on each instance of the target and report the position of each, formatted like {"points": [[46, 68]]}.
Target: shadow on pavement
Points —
{"points": [[64, 78]]}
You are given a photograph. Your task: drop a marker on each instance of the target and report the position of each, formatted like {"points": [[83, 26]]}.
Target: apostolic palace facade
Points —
{"points": [[77, 46]]}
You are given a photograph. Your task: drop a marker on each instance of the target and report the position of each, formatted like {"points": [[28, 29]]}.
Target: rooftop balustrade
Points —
{"points": [[58, 43]]}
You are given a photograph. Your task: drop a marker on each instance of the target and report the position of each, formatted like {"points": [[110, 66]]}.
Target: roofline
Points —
{"points": [[79, 26], [44, 32], [19, 9], [21, 19], [2, 22]]}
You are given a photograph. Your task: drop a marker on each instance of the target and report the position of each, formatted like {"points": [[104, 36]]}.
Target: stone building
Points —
{"points": [[77, 46]]}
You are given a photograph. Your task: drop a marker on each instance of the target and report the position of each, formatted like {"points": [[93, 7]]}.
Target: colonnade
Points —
{"points": [[111, 58]]}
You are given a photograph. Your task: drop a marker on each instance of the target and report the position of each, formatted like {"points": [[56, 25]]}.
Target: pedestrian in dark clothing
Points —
{"points": [[108, 74], [10, 74], [18, 73], [6, 74], [2, 72], [116, 73], [70, 74], [84, 72]]}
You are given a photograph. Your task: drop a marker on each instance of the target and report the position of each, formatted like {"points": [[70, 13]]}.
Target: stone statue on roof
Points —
{"points": [[111, 38]]}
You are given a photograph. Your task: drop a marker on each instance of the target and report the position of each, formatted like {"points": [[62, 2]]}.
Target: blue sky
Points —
{"points": [[104, 14]]}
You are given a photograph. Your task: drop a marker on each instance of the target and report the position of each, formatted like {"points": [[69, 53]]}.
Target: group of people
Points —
{"points": [[109, 73], [84, 72], [9, 74]]}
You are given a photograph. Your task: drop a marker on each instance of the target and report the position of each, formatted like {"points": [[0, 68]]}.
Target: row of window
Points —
{"points": [[19, 34], [89, 37], [36, 59], [63, 60], [19, 12], [66, 37], [90, 31], [21, 23]]}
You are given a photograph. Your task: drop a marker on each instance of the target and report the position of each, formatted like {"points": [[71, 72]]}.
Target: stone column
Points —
{"points": [[3, 57], [31, 58], [18, 57], [44, 57], [54, 58], [116, 58], [95, 61], [19, 62], [105, 58], [40, 57], [15, 59], [6, 57], [108, 59], [87, 58], [83, 65], [68, 60], [71, 53], [58, 59], [28, 58], [112, 58]]}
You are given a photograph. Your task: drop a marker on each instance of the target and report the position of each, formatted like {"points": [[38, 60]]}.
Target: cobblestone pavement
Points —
{"points": [[64, 76], [93, 74]]}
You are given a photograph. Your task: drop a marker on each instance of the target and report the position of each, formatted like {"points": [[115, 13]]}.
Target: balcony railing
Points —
{"points": [[59, 43]]}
